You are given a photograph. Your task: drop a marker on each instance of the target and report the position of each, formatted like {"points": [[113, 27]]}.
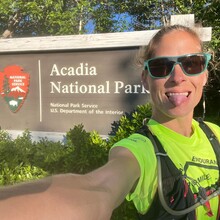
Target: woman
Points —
{"points": [[175, 72]]}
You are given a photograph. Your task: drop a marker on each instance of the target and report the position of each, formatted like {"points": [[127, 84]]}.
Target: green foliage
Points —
{"points": [[59, 17], [19, 173], [62, 17], [14, 152], [50, 156], [215, 120], [129, 123], [14, 159], [89, 152], [126, 211], [23, 160]]}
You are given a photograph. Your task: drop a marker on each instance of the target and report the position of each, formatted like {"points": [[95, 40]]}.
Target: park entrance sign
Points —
{"points": [[53, 91], [51, 84]]}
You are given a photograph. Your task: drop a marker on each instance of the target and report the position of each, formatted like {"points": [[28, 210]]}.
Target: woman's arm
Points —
{"points": [[73, 197]]}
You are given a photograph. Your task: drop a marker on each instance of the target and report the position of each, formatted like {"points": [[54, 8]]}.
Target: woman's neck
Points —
{"points": [[181, 125]]}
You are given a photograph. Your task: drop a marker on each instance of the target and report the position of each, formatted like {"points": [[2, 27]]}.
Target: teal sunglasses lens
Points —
{"points": [[161, 67]]}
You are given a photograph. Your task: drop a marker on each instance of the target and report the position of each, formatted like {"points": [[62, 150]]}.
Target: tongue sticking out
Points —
{"points": [[177, 99]]}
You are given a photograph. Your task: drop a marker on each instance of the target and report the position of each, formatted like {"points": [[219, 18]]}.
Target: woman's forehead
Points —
{"points": [[177, 42]]}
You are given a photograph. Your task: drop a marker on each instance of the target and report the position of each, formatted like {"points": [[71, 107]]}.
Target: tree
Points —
{"points": [[45, 17], [60, 17], [20, 18], [154, 14]]}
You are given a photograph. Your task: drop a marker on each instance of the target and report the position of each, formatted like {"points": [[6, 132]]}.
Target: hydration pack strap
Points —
{"points": [[215, 145], [159, 151], [212, 139]]}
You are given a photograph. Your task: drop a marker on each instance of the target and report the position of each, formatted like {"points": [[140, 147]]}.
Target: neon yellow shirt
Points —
{"points": [[193, 155]]}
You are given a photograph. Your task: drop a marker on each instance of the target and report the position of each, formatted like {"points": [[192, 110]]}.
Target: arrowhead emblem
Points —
{"points": [[14, 86]]}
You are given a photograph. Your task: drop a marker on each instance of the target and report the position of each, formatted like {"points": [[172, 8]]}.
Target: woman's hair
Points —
{"points": [[147, 52]]}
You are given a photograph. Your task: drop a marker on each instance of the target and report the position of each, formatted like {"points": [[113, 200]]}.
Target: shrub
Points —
{"points": [[89, 150], [129, 123], [22, 159], [50, 156], [19, 173], [15, 166]]}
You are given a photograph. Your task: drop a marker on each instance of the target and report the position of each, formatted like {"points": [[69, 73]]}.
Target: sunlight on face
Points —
{"points": [[178, 94]]}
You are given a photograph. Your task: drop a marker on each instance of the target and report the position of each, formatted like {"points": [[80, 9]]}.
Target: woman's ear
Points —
{"points": [[144, 80]]}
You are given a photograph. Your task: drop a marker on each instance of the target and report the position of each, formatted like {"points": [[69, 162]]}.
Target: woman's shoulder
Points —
{"points": [[215, 128], [139, 145], [134, 140]]}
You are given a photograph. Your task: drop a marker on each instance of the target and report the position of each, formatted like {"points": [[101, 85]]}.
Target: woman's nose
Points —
{"points": [[178, 75]]}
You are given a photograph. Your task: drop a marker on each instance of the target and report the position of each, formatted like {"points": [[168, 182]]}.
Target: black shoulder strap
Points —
{"points": [[212, 138], [170, 170], [168, 166], [206, 129], [144, 130], [172, 185]]}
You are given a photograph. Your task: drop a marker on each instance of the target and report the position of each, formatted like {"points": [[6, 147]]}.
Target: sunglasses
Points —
{"points": [[191, 64]]}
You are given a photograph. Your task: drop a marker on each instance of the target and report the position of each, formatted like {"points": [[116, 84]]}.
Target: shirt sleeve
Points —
{"points": [[142, 148]]}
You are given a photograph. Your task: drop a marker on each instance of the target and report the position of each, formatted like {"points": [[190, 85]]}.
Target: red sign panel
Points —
{"points": [[14, 86]]}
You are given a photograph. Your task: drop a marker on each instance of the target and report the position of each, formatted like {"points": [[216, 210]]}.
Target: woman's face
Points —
{"points": [[177, 95]]}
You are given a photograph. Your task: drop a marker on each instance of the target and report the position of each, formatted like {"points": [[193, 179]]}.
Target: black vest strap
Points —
{"points": [[172, 178], [172, 185], [212, 138]]}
